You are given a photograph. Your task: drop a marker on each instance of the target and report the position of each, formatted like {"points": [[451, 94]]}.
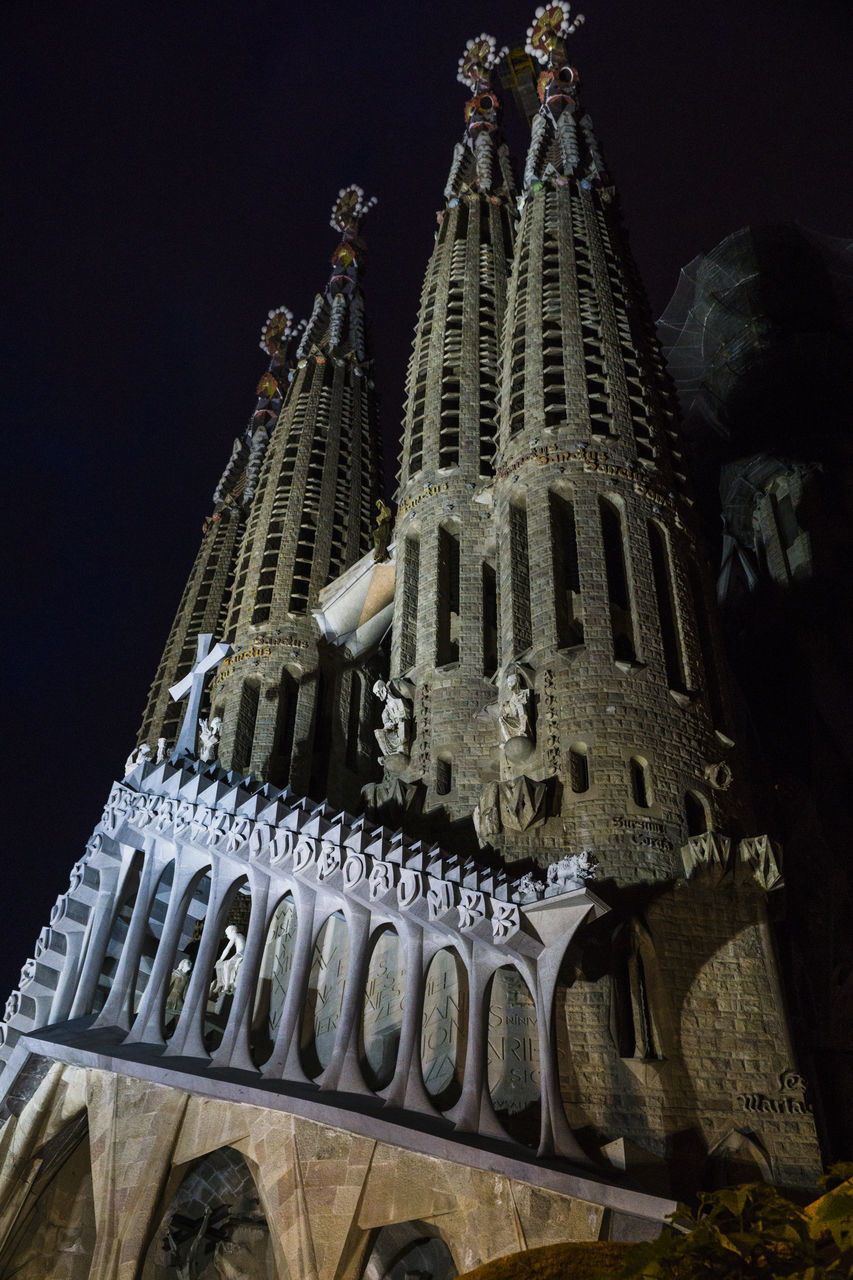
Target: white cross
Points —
{"points": [[192, 684]]}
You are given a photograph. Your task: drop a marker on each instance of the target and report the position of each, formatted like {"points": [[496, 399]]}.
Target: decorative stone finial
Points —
{"points": [[549, 29], [277, 331], [349, 209], [480, 56]]}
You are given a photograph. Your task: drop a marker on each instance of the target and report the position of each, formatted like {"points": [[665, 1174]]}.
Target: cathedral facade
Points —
{"points": [[429, 922]]}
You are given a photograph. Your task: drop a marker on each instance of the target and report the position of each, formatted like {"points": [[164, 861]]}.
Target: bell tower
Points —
{"points": [[285, 712]]}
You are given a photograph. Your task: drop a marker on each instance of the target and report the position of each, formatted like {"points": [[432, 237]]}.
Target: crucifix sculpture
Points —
{"points": [[192, 684]]}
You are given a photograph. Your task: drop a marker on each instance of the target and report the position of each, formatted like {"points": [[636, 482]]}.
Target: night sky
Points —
{"points": [[170, 170]]}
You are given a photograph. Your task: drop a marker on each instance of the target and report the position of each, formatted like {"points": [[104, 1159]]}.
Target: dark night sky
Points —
{"points": [[170, 168]]}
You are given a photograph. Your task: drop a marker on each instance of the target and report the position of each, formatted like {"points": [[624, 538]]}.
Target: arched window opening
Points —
{"points": [[706, 647], [619, 597], [579, 768], [409, 627], [324, 710], [633, 1020], [228, 962], [353, 746], [641, 782], [522, 629], [490, 620], [443, 775], [665, 597], [564, 555], [244, 735], [696, 814], [186, 953], [118, 933], [447, 639], [285, 729]]}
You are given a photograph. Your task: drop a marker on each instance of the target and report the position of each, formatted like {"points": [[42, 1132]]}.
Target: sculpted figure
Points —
{"points": [[515, 709], [382, 532], [528, 889], [395, 736], [162, 750], [208, 733], [570, 873], [228, 965], [178, 985], [139, 755]]}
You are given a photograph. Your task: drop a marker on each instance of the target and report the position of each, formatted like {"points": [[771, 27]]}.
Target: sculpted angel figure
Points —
{"points": [[139, 755], [515, 709], [228, 965], [395, 736], [208, 733]]}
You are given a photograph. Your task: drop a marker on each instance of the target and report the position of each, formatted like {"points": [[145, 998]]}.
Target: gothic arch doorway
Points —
{"points": [[213, 1227], [413, 1249]]}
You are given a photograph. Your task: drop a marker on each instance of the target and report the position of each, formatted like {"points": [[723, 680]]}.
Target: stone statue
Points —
{"points": [[570, 873], [208, 733], [395, 736], [139, 755], [178, 985], [382, 532], [228, 965], [162, 750], [514, 715], [528, 889]]}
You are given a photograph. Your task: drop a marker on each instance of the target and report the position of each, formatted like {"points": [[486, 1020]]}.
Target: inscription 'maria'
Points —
{"points": [[513, 1055]]}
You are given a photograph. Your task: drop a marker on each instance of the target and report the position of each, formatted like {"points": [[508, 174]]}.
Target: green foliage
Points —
{"points": [[752, 1231]]}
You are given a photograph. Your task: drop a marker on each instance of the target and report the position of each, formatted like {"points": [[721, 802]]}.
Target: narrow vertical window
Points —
{"points": [[285, 728], [706, 646], [244, 737], [579, 768], [447, 645], [621, 621], [522, 631], [353, 722], [695, 814], [564, 554], [490, 620], [641, 789], [443, 776], [409, 627], [662, 577], [321, 750]]}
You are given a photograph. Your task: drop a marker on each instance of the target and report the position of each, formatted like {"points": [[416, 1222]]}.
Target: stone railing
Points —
{"points": [[261, 937]]}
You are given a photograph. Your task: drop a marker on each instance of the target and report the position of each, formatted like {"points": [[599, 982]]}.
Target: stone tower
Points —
{"points": [[522, 989], [204, 604], [445, 622]]}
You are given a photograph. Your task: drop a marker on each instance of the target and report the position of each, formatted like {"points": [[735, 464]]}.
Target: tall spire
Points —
{"points": [[474, 158], [444, 634], [562, 142], [336, 325], [205, 602], [311, 518]]}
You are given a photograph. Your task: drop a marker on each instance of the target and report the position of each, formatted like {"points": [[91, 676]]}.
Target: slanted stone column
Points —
{"points": [[133, 1129]]}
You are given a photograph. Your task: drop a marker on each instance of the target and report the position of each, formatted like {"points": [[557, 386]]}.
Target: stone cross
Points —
{"points": [[192, 684]]}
